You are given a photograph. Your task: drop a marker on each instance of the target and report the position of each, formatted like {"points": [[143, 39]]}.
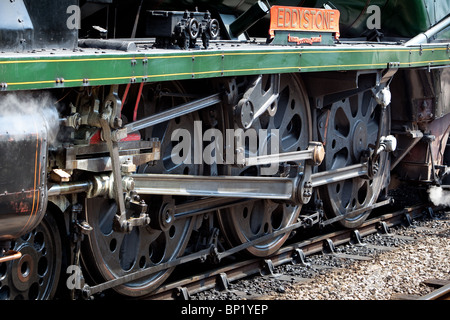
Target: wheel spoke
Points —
{"points": [[109, 254], [36, 274], [353, 126], [243, 223]]}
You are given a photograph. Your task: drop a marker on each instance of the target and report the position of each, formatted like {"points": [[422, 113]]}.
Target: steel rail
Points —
{"points": [[438, 294], [291, 253]]}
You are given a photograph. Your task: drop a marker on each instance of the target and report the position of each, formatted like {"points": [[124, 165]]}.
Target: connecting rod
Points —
{"points": [[275, 188]]}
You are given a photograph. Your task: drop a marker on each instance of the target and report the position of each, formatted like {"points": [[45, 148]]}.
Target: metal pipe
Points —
{"points": [[120, 45], [246, 20], [10, 256], [425, 36], [69, 188]]}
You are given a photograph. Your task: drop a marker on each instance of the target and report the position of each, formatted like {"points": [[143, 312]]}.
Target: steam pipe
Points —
{"points": [[97, 186], [10, 256], [255, 13], [425, 36], [68, 188]]}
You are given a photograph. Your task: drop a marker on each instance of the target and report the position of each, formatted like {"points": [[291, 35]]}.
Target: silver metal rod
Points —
{"points": [[174, 112], [350, 172], [223, 186], [357, 211], [69, 188], [278, 188], [279, 158], [425, 36]]}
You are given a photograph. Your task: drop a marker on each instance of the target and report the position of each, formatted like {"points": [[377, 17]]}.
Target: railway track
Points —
{"points": [[295, 253], [442, 293]]}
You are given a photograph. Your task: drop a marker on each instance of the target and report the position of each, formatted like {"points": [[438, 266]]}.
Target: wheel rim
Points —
{"points": [[115, 254], [35, 275], [110, 254], [352, 126], [243, 223]]}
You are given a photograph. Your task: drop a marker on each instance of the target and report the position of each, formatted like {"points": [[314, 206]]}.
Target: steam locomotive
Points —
{"points": [[138, 135]]}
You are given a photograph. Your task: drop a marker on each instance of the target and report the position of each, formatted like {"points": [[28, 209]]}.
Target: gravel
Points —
{"points": [[420, 253]]}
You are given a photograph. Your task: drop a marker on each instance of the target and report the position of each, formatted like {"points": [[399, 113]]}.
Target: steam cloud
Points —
{"points": [[439, 196], [24, 112]]}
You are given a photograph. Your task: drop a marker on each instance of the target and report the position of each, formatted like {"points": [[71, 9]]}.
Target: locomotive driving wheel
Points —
{"points": [[109, 254], [246, 222], [349, 128], [35, 275]]}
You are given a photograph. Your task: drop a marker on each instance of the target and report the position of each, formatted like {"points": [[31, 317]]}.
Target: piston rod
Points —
{"points": [[69, 188], [315, 152], [222, 186], [349, 172], [275, 188], [174, 113]]}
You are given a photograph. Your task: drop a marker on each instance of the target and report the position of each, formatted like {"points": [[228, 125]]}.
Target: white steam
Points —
{"points": [[439, 196], [24, 113]]}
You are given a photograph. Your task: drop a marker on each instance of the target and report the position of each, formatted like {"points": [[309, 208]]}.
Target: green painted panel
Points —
{"points": [[39, 72]]}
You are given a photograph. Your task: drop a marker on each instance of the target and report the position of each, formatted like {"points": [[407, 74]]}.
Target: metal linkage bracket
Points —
{"points": [[391, 70], [174, 113], [256, 101], [407, 220], [120, 219], [383, 228]]}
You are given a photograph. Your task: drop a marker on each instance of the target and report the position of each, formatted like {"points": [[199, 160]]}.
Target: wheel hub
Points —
{"points": [[359, 138], [109, 254], [25, 267], [164, 218], [35, 275]]}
